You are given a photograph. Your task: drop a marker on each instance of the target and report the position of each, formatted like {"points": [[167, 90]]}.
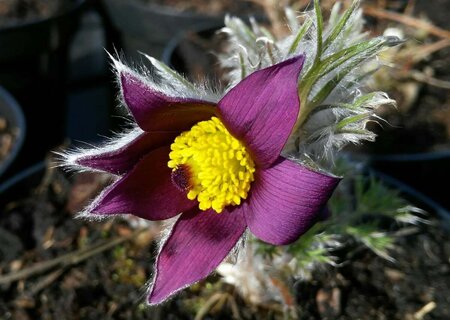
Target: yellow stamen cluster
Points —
{"points": [[219, 167]]}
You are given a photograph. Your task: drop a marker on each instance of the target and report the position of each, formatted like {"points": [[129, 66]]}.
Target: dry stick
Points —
{"points": [[41, 285], [208, 305], [430, 306], [66, 260], [421, 77], [424, 51], [234, 308], [411, 5], [406, 20]]}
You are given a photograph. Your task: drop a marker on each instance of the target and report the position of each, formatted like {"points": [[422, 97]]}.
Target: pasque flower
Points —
{"points": [[216, 163]]}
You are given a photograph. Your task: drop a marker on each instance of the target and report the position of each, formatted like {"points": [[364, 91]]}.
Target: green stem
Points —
{"points": [[300, 34], [319, 29], [341, 24]]}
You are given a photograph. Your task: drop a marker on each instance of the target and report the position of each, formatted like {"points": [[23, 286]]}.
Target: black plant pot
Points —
{"points": [[427, 172], [149, 28], [32, 37], [33, 67], [415, 196], [22, 183], [12, 112], [193, 54], [17, 229]]}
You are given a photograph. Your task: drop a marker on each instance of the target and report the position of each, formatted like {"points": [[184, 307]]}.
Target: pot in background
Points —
{"points": [[39, 35], [11, 111], [149, 28], [191, 54], [427, 172], [33, 67]]}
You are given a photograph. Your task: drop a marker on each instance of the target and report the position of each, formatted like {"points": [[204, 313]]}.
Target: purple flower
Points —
{"points": [[217, 164]]}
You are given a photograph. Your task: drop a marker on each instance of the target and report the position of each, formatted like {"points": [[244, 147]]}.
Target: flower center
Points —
{"points": [[211, 165]]}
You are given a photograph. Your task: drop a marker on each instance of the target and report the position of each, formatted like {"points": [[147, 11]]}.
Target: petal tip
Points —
{"points": [[157, 296], [154, 300], [298, 59]]}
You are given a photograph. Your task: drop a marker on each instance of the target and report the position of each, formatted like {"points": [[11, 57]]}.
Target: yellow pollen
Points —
{"points": [[219, 167]]}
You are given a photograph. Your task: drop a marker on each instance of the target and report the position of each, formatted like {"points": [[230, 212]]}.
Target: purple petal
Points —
{"points": [[286, 200], [146, 191], [155, 111], [263, 108], [198, 243], [123, 158]]}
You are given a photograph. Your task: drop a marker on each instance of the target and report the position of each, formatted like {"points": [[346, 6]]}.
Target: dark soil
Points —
{"points": [[109, 284], [8, 136], [369, 287], [209, 7]]}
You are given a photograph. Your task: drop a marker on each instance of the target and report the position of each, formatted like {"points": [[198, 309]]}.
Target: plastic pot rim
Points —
{"points": [[18, 120]]}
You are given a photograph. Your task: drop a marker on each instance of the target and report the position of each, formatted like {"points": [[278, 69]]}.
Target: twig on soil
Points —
{"points": [[49, 279], [421, 77], [66, 260], [430, 306], [407, 20], [417, 54], [234, 308], [217, 301], [411, 5], [215, 298]]}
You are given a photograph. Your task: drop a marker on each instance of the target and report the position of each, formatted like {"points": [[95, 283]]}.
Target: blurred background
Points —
{"points": [[57, 90]]}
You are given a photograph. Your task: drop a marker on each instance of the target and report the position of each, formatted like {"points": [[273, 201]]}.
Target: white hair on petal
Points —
{"points": [[68, 158], [164, 80], [161, 79], [166, 232]]}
